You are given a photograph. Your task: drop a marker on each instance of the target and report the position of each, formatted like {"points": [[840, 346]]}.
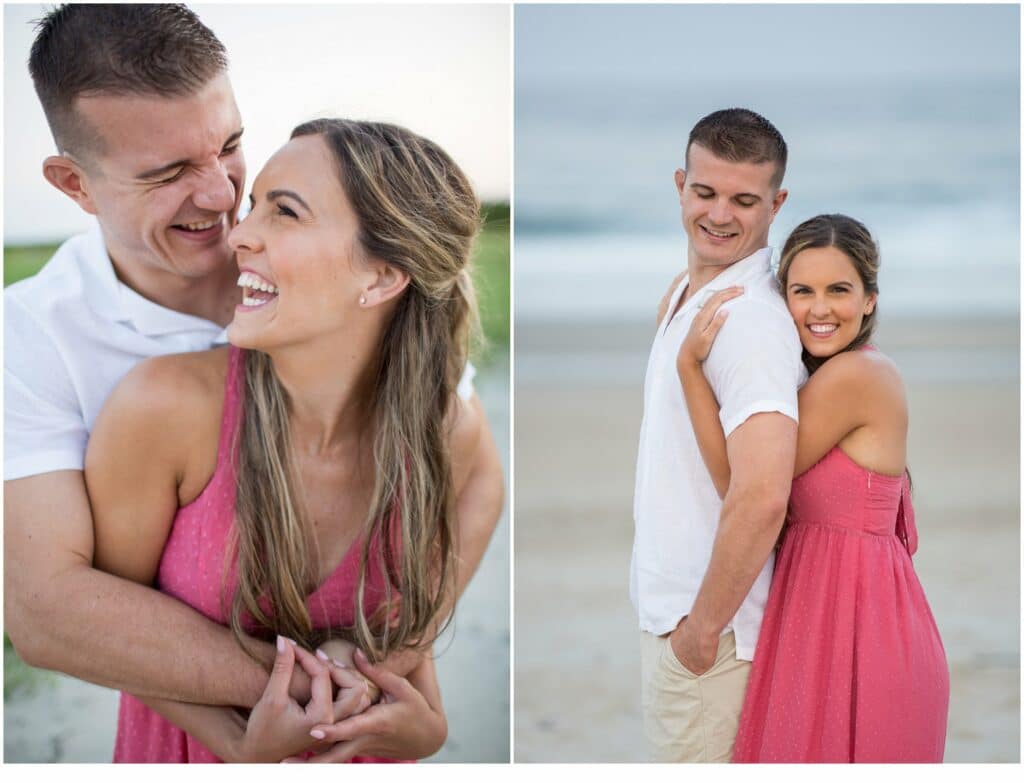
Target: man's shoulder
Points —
{"points": [[60, 282], [758, 310]]}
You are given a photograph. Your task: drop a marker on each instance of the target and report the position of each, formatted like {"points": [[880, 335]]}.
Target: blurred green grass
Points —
{"points": [[491, 275], [20, 678]]}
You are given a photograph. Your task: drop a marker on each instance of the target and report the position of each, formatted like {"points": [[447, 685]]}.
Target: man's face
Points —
{"points": [[167, 185], [727, 207]]}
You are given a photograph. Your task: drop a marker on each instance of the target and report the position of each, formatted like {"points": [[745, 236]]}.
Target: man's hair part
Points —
{"points": [[107, 49], [740, 136]]}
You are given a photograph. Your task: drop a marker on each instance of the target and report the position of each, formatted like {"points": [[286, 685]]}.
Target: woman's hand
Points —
{"points": [[704, 329], [340, 653], [404, 725], [278, 725]]}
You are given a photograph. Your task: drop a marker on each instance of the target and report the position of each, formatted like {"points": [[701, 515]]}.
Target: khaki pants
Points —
{"points": [[689, 718]]}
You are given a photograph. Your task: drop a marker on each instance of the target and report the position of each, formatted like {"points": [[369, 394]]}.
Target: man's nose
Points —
{"points": [[720, 213], [215, 191]]}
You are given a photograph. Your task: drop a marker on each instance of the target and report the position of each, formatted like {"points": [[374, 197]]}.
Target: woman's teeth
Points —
{"points": [[255, 288], [823, 328]]}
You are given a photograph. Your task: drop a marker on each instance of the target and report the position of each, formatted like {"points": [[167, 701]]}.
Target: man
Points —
{"points": [[701, 566], [148, 138]]}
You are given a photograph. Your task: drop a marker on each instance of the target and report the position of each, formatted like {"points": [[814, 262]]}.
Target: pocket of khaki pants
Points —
{"points": [[670, 662]]}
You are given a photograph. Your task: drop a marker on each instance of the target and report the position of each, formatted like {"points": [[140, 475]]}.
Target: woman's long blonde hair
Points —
{"points": [[417, 212]]}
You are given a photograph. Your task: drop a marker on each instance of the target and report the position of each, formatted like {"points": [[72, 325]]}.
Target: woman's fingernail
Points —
{"points": [[322, 655], [317, 734], [280, 643], [338, 663], [294, 643], [361, 655]]}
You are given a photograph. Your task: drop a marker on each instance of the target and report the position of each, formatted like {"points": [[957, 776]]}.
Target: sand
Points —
{"points": [[578, 408]]}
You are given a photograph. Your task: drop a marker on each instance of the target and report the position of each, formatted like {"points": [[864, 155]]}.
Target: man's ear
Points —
{"points": [[387, 283], [67, 176], [680, 177], [778, 201]]}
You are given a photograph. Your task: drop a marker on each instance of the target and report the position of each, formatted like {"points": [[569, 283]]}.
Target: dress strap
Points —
{"points": [[906, 528]]}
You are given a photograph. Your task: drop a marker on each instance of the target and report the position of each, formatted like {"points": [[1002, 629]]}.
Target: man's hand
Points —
{"points": [[696, 653], [278, 725], [404, 725]]}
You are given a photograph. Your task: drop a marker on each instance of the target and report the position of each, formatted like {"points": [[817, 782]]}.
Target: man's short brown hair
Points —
{"points": [[108, 49], [741, 136]]}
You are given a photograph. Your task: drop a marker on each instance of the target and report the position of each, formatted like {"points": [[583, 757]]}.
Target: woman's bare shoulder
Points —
{"points": [[865, 376], [175, 383]]}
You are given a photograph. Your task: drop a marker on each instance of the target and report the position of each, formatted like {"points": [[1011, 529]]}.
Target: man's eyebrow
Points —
{"points": [[168, 168], [738, 195], [272, 194]]}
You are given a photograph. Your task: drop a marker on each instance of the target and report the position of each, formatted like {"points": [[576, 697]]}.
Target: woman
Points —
{"points": [[849, 665], [302, 482]]}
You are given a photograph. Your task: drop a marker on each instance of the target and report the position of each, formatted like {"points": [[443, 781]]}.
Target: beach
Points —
{"points": [[578, 407], [61, 719]]}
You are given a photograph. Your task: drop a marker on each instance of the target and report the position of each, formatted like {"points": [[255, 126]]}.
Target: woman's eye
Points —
{"points": [[283, 210]]}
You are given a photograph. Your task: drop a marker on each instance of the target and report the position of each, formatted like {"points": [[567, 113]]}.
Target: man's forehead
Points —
{"points": [[163, 128], [706, 168]]}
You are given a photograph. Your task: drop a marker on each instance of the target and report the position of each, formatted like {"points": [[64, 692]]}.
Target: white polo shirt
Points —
{"points": [[754, 367], [71, 333]]}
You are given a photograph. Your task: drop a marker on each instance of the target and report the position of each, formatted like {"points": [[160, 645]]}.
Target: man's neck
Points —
{"points": [[699, 273], [212, 297]]}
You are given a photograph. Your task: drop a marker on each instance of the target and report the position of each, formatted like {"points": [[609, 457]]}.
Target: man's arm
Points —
{"points": [[761, 455], [61, 613]]}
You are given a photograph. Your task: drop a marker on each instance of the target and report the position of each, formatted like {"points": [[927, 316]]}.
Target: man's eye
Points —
{"points": [[173, 178], [283, 210], [229, 150], [745, 203], [705, 195]]}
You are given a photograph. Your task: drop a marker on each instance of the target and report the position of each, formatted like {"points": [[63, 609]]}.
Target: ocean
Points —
{"points": [[931, 166]]}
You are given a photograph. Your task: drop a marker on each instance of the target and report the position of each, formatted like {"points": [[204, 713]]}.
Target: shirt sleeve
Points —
{"points": [[465, 388], [754, 365], [44, 429]]}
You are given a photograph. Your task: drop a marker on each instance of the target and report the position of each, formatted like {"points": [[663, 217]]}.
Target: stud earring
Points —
{"points": [[362, 300]]}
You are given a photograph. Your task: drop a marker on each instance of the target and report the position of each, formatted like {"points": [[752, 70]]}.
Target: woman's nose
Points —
{"points": [[243, 237]]}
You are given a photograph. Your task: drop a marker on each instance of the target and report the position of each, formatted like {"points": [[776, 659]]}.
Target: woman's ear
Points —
{"points": [[386, 283], [869, 306]]}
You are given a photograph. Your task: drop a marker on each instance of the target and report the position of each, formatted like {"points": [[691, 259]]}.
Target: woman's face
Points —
{"points": [[297, 251], [826, 298]]}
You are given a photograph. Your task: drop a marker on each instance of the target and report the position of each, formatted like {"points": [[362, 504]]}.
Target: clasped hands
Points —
{"points": [[336, 727]]}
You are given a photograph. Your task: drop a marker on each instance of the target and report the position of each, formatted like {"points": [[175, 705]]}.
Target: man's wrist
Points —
{"points": [[701, 629]]}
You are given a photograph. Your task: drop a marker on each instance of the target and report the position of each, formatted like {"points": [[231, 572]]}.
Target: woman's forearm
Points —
{"points": [[703, 407], [424, 679], [220, 729]]}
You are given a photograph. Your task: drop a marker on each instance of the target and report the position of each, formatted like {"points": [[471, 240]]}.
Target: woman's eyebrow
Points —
{"points": [[290, 194]]}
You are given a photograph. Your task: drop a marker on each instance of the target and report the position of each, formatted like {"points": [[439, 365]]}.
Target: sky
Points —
{"points": [[724, 42], [443, 71]]}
